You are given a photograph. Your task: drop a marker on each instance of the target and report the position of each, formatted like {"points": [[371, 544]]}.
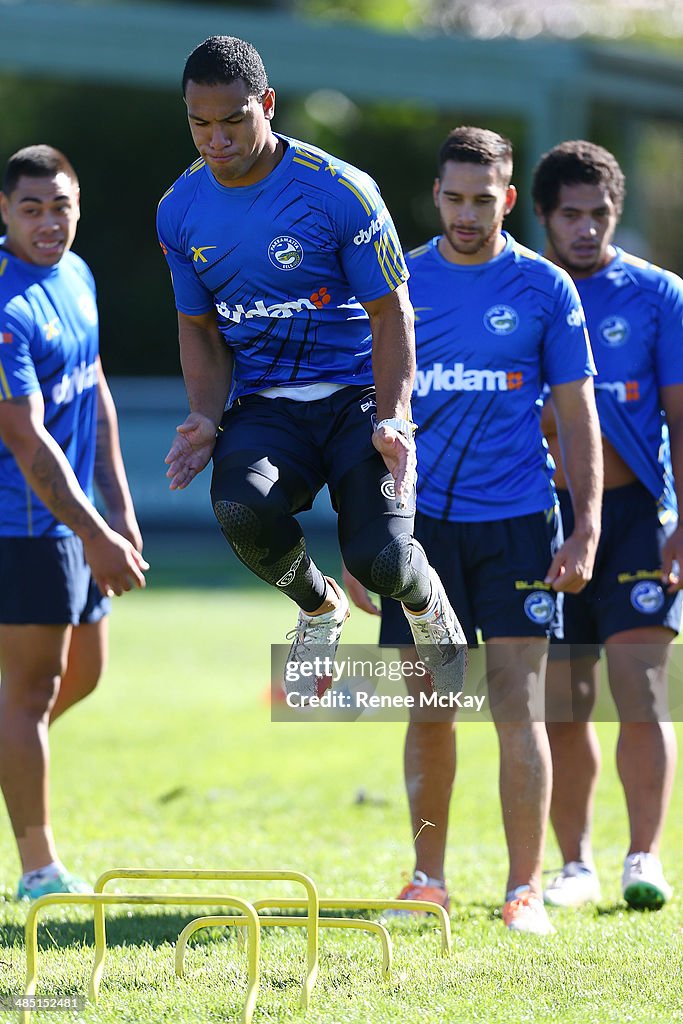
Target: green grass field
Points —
{"points": [[174, 762]]}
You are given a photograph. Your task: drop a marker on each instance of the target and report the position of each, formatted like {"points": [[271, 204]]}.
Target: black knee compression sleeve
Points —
{"points": [[376, 538], [254, 512], [399, 569]]}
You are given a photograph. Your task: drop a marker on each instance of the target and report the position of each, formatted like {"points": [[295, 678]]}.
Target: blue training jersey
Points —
{"points": [[286, 263], [489, 336], [48, 342], [634, 312]]}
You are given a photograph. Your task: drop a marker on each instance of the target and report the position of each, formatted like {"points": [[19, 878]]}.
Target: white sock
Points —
{"points": [[433, 883], [51, 870], [428, 611]]}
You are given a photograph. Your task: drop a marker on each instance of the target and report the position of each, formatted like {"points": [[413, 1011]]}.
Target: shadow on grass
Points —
{"points": [[141, 929]]}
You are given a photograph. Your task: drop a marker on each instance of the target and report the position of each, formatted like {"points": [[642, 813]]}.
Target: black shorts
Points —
{"points": [[493, 574], [320, 440], [47, 582], [625, 591]]}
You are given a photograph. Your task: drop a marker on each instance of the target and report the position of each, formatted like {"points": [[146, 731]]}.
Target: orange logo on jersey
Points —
{"points": [[321, 298], [623, 390], [6, 339]]}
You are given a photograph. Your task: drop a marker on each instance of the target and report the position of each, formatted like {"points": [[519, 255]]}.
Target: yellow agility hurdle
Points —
{"points": [[311, 903], [422, 906], [325, 922], [99, 900]]}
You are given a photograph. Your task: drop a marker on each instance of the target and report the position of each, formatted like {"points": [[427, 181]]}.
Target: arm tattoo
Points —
{"points": [[58, 495]]}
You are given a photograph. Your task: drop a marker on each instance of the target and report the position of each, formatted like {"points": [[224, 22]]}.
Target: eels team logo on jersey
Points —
{"points": [[88, 308], [539, 607], [285, 252], [614, 331], [647, 597], [501, 320]]}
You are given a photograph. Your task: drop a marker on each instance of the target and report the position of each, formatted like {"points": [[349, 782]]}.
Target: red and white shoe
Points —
{"points": [[525, 912], [418, 888], [314, 644]]}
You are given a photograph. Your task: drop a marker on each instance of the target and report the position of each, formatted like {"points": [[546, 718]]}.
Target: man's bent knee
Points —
{"points": [[399, 570], [34, 697]]}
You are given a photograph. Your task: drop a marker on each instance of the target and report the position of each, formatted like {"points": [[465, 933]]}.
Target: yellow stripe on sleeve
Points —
{"points": [[4, 386], [397, 253], [309, 154], [635, 261], [387, 262], [3, 266], [196, 167], [356, 193], [359, 184], [389, 275], [306, 163]]}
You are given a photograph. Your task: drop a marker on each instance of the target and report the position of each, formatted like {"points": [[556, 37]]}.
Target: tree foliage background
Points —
{"points": [[129, 144]]}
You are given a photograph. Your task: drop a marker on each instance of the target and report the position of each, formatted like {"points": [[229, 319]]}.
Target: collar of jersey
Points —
{"points": [[469, 268], [258, 186], [614, 264], [32, 269]]}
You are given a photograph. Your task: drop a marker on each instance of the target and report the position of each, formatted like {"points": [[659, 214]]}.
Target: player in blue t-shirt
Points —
{"points": [[634, 312], [58, 556], [494, 323], [292, 304]]}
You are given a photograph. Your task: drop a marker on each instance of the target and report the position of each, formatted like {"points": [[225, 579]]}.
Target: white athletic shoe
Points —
{"points": [[440, 641], [575, 885], [314, 643], [524, 912], [643, 883]]}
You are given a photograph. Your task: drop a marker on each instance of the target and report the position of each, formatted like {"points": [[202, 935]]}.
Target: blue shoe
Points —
{"points": [[62, 882]]}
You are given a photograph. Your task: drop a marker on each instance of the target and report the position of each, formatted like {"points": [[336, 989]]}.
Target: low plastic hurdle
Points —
{"points": [[325, 922], [422, 906], [310, 922], [98, 900], [250, 918]]}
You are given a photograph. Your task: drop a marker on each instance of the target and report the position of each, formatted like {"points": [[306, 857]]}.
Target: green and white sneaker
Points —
{"points": [[45, 883], [643, 883]]}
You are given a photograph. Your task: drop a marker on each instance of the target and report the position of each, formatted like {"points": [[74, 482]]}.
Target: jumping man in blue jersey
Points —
{"points": [[292, 304], [632, 605], [59, 559], [494, 323]]}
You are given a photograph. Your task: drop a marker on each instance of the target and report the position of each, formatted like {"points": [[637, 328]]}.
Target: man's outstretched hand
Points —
{"points": [[400, 459], [191, 450]]}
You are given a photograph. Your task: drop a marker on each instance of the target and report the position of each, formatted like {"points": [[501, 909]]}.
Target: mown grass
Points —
{"points": [[175, 762]]}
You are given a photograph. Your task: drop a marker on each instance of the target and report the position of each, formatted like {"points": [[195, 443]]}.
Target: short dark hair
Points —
{"points": [[469, 145], [35, 162], [576, 162], [220, 60]]}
